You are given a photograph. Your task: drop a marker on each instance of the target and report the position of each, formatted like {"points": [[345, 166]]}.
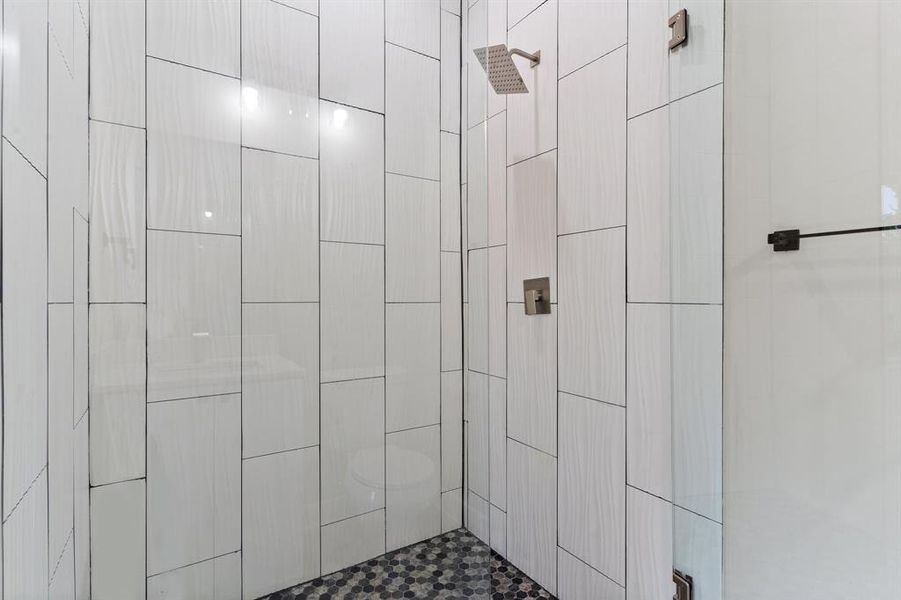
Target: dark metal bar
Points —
{"points": [[790, 239]]}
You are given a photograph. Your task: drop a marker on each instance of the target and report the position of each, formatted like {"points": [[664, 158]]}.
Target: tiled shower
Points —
{"points": [[265, 331]]}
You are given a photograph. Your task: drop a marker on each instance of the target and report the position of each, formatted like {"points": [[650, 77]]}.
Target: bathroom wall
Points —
{"points": [[594, 433], [274, 325], [45, 205]]}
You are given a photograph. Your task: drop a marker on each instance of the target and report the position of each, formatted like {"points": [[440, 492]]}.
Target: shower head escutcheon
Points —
{"points": [[502, 72]]}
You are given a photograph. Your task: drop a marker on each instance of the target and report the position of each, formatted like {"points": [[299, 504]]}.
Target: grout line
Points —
{"points": [[414, 176], [362, 514], [294, 8], [278, 152], [389, 43], [350, 380], [233, 235], [545, 452], [610, 228], [406, 429], [115, 124], [613, 404], [94, 486], [352, 243], [195, 563], [165, 400], [173, 62], [513, 164], [591, 62], [26, 159], [619, 585], [348, 105], [22, 497], [276, 452]]}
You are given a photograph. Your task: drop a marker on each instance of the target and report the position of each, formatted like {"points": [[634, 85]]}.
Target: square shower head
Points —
{"points": [[502, 72]]}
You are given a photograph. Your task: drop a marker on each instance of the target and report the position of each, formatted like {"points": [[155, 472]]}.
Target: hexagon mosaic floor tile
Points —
{"points": [[454, 565]]}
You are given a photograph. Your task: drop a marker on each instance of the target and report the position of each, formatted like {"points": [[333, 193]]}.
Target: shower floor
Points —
{"points": [[453, 565]]}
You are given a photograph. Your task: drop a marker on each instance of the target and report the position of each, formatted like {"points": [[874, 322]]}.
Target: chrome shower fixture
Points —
{"points": [[502, 72]]}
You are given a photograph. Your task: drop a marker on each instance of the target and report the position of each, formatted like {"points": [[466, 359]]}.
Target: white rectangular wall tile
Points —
{"points": [[698, 549], [280, 234], [200, 33], [80, 318], [477, 511], [413, 485], [648, 79], [412, 113], [117, 62], [118, 542], [25, 561], [280, 542], [649, 383], [518, 9], [193, 481], [352, 66], [592, 154], [497, 311], [477, 327], [451, 430], [450, 191], [497, 442], [352, 312], [193, 315], [592, 315], [25, 325], [532, 513], [193, 147], [62, 580], [450, 72], [279, 79], [60, 448], [531, 223], [578, 581], [532, 117], [414, 24], [451, 510], [118, 183], [477, 188], [649, 546], [307, 6], [589, 30], [352, 172], [353, 449], [412, 243], [451, 6], [699, 65], [477, 434], [280, 377], [497, 530], [451, 312], [352, 541], [216, 579], [496, 168], [592, 494], [118, 392], [532, 379], [25, 80], [81, 532]]}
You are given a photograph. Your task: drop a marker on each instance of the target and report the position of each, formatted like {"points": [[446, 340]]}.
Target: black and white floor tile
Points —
{"points": [[450, 566]]}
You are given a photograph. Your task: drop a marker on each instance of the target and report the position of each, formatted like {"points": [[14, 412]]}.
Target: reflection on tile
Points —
{"points": [[497, 442], [193, 480], [451, 312], [352, 172], [216, 579], [413, 486], [649, 383], [352, 67], [353, 448], [118, 540], [532, 117], [117, 62], [25, 79], [193, 149], [118, 376], [532, 379], [25, 325], [497, 311], [280, 79], [352, 541], [280, 377], [414, 24], [60, 441], [531, 225], [532, 513], [280, 542], [280, 243], [649, 545], [592, 154], [353, 313], [117, 213], [698, 549], [648, 82], [413, 364], [412, 244], [578, 581], [450, 72], [592, 500], [193, 315], [592, 301], [450, 191], [412, 138], [451, 510], [200, 33], [451, 430], [25, 558], [698, 65]]}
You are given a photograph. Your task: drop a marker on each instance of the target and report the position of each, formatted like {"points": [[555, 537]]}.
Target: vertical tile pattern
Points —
{"points": [[200, 33], [412, 113], [413, 486], [117, 62], [412, 242], [118, 540], [352, 67], [412, 365]]}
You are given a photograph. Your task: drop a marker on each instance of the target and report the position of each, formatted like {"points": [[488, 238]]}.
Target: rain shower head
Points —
{"points": [[502, 72]]}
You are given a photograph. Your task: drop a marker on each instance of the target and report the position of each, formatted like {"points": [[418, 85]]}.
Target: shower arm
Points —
{"points": [[534, 58]]}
